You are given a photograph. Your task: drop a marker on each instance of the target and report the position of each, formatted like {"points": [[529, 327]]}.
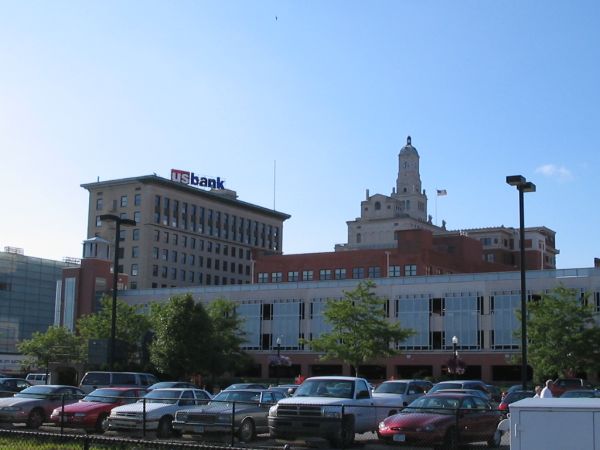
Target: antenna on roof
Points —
{"points": [[274, 179]]}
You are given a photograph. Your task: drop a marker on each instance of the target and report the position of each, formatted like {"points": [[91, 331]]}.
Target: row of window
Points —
{"points": [[136, 216], [215, 223], [124, 202], [196, 261], [202, 245], [337, 274]]}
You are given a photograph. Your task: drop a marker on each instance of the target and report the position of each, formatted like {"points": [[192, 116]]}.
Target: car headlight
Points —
{"points": [[273, 411], [333, 412], [11, 408], [382, 426]]}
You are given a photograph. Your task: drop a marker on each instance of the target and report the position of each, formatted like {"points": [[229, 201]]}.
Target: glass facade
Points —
{"points": [[27, 297]]}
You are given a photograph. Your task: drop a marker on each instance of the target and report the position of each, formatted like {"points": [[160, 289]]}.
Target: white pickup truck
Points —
{"points": [[334, 408]]}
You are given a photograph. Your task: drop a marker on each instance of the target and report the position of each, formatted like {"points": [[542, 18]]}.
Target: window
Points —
{"points": [[165, 254], [374, 272], [98, 221], [307, 275], [358, 272], [123, 201], [276, 277], [99, 204], [394, 271], [155, 270], [340, 274], [325, 274], [166, 237], [175, 239], [292, 276], [192, 260], [136, 234], [135, 252], [164, 271], [263, 277], [173, 273], [137, 216], [134, 270], [193, 243], [410, 270], [183, 259], [174, 256], [137, 200], [155, 252]]}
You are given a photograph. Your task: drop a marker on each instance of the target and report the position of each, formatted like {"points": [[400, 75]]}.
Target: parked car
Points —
{"points": [[10, 386], [34, 404], [246, 386], [475, 392], [516, 387], [443, 419], [251, 411], [172, 384], [38, 378], [160, 406], [91, 412], [512, 397], [460, 384], [495, 392], [95, 380], [287, 389], [562, 385], [396, 394], [581, 393]]}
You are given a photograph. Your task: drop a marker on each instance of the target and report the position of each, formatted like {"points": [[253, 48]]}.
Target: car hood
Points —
{"points": [[412, 420], [86, 407], [16, 401], [319, 401], [151, 408], [220, 408]]}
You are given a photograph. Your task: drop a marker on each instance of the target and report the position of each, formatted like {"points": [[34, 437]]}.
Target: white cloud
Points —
{"points": [[561, 173]]}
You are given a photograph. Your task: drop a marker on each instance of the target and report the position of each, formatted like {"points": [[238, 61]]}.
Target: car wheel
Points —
{"points": [[101, 423], [247, 430], [451, 440], [165, 428], [345, 437], [35, 419], [495, 440]]}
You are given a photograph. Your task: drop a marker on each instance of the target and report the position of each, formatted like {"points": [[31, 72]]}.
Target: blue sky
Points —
{"points": [[325, 91]]}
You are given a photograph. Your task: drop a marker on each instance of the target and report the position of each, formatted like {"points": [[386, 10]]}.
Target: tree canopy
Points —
{"points": [[57, 344], [564, 338], [131, 327], [183, 337], [360, 331]]}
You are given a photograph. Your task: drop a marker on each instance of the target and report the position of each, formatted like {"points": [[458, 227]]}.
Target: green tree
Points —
{"points": [[563, 336], [183, 332], [57, 344], [360, 330], [228, 337], [131, 327]]}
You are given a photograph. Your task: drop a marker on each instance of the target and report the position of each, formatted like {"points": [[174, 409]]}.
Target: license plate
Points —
{"points": [[198, 429], [399, 438]]}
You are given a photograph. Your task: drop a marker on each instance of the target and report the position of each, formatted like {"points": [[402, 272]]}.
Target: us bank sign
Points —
{"points": [[185, 177]]}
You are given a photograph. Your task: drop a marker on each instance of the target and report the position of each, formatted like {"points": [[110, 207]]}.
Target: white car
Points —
{"points": [[156, 410]]}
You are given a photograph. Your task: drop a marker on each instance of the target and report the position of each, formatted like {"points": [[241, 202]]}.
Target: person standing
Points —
{"points": [[547, 391], [538, 391]]}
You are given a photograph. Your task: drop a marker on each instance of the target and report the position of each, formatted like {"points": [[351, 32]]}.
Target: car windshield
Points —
{"points": [[446, 385], [36, 392], [162, 396], [391, 388], [432, 405], [237, 396], [107, 396], [326, 388]]}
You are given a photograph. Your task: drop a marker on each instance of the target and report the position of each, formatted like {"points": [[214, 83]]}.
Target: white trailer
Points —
{"points": [[555, 424]]}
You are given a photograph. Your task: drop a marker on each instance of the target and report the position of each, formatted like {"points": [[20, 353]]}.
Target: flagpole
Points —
{"points": [[436, 197]]}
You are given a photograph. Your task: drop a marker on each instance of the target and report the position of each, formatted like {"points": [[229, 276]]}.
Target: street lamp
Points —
{"points": [[455, 354], [387, 263], [278, 367], [522, 186], [113, 324]]}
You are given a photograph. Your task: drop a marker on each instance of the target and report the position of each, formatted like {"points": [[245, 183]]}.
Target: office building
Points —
{"points": [[185, 235]]}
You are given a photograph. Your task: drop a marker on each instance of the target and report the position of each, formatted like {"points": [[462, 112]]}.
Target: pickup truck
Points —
{"points": [[333, 407]]}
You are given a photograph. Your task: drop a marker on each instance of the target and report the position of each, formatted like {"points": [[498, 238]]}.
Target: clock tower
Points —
{"points": [[408, 184]]}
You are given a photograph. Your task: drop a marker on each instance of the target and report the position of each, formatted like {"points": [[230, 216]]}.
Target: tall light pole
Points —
{"points": [[387, 262], [522, 186], [455, 354], [278, 342], [113, 324]]}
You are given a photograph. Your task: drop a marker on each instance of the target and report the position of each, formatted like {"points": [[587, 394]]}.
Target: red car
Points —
{"points": [[91, 412], [443, 420]]}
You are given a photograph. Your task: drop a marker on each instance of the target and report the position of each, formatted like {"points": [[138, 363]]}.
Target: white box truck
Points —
{"points": [[555, 424]]}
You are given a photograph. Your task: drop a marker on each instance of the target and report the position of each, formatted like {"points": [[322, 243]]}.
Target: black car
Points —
{"points": [[10, 386]]}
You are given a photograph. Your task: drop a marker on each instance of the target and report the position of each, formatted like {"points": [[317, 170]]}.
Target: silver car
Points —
{"points": [[396, 394], [251, 408], [156, 410], [34, 404]]}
